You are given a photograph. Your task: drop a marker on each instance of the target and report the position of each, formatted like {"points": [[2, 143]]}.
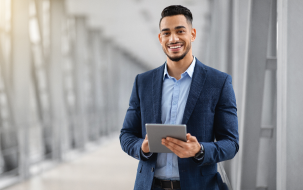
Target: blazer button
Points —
{"points": [[152, 170]]}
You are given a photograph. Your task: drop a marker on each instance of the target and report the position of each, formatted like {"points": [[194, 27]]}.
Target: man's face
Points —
{"points": [[176, 35]]}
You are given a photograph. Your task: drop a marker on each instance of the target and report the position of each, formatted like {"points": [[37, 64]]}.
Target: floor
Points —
{"points": [[107, 167]]}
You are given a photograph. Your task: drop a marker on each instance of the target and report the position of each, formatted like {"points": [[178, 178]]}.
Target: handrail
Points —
{"points": [[222, 179]]}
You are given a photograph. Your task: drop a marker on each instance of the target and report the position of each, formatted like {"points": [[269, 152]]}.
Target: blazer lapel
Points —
{"points": [[195, 90], [157, 83]]}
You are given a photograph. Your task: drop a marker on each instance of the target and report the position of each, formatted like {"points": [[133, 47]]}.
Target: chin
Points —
{"points": [[176, 59]]}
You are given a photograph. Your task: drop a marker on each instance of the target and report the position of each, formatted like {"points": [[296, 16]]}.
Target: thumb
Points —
{"points": [[188, 137], [146, 138], [192, 139]]}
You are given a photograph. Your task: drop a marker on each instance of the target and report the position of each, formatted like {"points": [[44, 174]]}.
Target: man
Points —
{"points": [[181, 91]]}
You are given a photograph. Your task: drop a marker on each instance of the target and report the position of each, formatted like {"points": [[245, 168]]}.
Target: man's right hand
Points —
{"points": [[144, 145]]}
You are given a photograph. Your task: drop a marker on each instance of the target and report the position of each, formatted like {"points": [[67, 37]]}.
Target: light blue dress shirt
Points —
{"points": [[174, 98]]}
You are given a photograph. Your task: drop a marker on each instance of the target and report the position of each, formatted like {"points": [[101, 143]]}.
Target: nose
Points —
{"points": [[173, 38]]}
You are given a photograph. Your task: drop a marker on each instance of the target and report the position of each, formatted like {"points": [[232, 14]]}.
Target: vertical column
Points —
{"points": [[97, 85], [254, 80], [44, 141], [8, 131], [2, 161], [69, 83], [266, 168], [122, 91], [289, 95], [116, 66], [219, 50], [126, 82], [105, 85], [21, 65], [80, 63], [58, 109], [119, 64], [110, 86], [240, 21], [89, 96]]}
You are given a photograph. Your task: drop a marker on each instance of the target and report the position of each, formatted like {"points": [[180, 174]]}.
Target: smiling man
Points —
{"points": [[181, 91]]}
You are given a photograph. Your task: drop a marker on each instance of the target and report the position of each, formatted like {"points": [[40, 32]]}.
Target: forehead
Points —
{"points": [[173, 21]]}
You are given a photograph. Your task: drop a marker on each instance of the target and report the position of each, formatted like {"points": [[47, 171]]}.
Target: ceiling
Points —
{"points": [[133, 24]]}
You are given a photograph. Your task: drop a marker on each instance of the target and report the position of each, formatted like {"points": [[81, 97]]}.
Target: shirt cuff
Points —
{"points": [[146, 155]]}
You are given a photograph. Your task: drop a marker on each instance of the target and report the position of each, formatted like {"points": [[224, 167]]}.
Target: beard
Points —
{"points": [[176, 59]]}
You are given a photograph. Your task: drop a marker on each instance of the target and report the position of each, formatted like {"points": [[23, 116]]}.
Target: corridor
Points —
{"points": [[106, 167], [67, 71]]}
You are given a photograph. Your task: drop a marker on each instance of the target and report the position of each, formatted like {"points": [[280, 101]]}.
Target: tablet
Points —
{"points": [[156, 132]]}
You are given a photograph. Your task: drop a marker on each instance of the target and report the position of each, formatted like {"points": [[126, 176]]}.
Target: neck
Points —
{"points": [[176, 68]]}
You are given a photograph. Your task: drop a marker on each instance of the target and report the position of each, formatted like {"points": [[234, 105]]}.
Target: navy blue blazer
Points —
{"points": [[210, 114]]}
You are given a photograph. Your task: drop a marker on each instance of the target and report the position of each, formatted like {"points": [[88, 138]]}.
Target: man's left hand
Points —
{"points": [[183, 149]]}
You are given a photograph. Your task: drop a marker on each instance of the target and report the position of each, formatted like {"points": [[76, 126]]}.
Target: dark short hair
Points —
{"points": [[177, 10]]}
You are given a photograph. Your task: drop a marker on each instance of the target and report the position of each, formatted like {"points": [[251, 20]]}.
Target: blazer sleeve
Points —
{"points": [[130, 135], [225, 128]]}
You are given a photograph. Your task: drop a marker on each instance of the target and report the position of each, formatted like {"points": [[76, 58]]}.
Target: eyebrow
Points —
{"points": [[177, 27]]}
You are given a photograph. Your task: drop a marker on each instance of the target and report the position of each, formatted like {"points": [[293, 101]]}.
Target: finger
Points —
{"points": [[193, 139], [171, 145], [167, 143], [176, 141], [188, 136], [179, 151], [146, 137]]}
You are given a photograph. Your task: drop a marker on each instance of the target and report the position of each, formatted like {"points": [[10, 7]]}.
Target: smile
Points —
{"points": [[175, 47]]}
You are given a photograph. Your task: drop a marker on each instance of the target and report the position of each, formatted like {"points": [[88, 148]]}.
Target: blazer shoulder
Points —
{"points": [[213, 75], [215, 72], [143, 77]]}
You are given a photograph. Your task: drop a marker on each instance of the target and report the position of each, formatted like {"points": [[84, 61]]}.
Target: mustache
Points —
{"points": [[175, 43]]}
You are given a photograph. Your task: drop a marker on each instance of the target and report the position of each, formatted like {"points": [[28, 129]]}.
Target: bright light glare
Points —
{"points": [[5, 15]]}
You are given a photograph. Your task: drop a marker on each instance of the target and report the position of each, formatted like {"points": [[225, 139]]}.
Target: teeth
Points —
{"points": [[174, 47]]}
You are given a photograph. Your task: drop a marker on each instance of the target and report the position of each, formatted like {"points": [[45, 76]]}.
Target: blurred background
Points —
{"points": [[66, 74]]}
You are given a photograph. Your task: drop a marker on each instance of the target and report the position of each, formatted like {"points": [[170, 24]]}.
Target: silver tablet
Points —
{"points": [[156, 132]]}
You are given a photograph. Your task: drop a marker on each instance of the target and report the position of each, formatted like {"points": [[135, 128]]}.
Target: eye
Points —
{"points": [[165, 33], [180, 31]]}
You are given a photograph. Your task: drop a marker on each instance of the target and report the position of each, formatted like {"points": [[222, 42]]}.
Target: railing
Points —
{"points": [[222, 179]]}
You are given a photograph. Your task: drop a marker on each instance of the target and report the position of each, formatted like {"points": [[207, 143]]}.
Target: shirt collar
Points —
{"points": [[189, 70]]}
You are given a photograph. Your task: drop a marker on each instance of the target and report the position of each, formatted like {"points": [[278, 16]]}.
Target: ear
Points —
{"points": [[193, 34], [160, 39]]}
